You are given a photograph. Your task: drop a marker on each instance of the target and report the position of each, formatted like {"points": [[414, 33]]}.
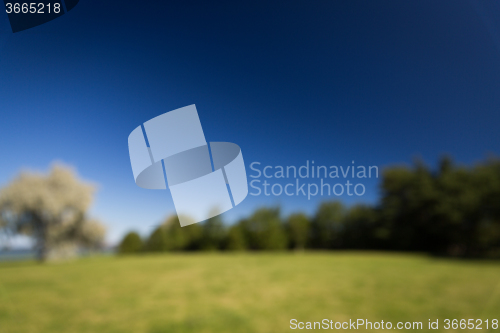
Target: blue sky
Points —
{"points": [[375, 82]]}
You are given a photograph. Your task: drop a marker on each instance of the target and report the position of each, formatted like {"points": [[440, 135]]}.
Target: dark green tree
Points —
{"points": [[264, 230], [328, 225], [449, 211], [131, 243], [487, 238], [362, 229], [235, 239], [213, 234], [170, 236], [298, 228], [157, 241]]}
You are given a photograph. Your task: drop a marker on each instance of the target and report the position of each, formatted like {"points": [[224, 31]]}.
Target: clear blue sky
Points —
{"points": [[377, 82]]}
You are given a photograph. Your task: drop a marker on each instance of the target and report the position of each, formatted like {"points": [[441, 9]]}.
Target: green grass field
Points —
{"points": [[242, 292]]}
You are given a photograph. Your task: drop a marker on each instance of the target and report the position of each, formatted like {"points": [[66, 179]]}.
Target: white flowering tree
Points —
{"points": [[52, 209]]}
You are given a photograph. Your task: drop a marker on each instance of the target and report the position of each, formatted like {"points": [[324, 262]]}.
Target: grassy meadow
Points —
{"points": [[209, 292]]}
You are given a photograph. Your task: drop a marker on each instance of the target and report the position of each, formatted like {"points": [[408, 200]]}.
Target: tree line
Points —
{"points": [[452, 210]]}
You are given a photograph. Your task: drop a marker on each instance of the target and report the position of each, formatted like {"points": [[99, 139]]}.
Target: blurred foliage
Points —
{"points": [[131, 243], [263, 230], [170, 236], [235, 240], [298, 227], [328, 226], [53, 210], [452, 211], [447, 211], [213, 234]]}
